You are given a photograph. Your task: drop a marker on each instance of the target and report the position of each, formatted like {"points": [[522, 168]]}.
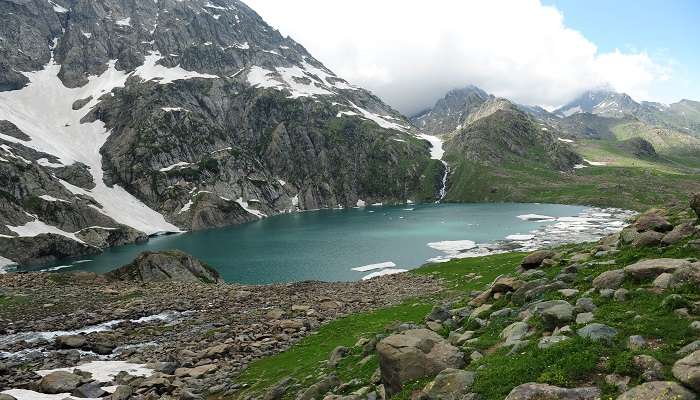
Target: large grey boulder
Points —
{"points": [[450, 384], [678, 233], [650, 269], [514, 332], [414, 354], [652, 221], [686, 275], [71, 341], [658, 391], [534, 260], [539, 391], [687, 370], [554, 312], [165, 266], [598, 332], [609, 279], [59, 382]]}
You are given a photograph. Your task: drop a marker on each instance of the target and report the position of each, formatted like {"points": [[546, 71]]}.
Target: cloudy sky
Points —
{"points": [[410, 52]]}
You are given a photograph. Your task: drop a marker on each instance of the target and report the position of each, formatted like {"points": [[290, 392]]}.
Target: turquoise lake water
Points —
{"points": [[325, 245]]}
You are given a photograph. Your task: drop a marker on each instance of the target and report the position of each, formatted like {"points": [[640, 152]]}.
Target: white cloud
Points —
{"points": [[410, 52]]}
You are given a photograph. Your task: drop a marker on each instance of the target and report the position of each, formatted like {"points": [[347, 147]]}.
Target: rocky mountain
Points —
{"points": [[120, 119], [499, 132], [452, 111], [683, 116]]}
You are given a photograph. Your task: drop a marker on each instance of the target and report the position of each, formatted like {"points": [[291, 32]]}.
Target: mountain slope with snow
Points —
{"points": [[119, 120]]}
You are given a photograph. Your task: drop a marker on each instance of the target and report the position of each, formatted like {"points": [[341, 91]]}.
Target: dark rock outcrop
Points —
{"points": [[165, 266]]}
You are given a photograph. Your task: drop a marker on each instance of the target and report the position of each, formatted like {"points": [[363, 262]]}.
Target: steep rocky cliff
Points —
{"points": [[144, 117]]}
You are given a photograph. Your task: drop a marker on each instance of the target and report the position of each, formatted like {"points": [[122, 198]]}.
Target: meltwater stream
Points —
{"points": [[335, 245]]}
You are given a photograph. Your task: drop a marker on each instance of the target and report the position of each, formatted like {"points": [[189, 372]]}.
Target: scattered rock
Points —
{"points": [[450, 384], [320, 388], [539, 391], [534, 260], [59, 382], [598, 332], [609, 279], [415, 354], [648, 239], [649, 269], [90, 390], [636, 342], [122, 392], [652, 221], [678, 233], [687, 370], [71, 341], [658, 391], [514, 332], [584, 318], [337, 355]]}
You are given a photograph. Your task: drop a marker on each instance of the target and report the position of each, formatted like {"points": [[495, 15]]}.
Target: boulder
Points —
{"points": [[686, 275], [652, 221], [504, 284], [173, 265], [609, 279], [585, 304], [4, 396], [695, 204], [687, 370], [59, 382], [658, 391], [584, 318], [414, 354], [689, 348], [598, 332], [539, 391], [439, 314], [90, 390], [534, 260], [71, 341], [648, 239], [450, 384], [514, 332], [678, 233], [337, 355], [320, 388], [554, 312], [651, 369], [650, 269]]}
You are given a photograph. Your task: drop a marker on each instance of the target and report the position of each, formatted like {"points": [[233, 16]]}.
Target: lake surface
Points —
{"points": [[326, 245]]}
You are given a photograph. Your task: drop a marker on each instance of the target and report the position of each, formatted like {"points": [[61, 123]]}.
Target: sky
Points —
{"points": [[411, 52]]}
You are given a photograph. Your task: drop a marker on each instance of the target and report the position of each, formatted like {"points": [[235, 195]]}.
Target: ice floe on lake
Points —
{"points": [[589, 225], [383, 272], [371, 267]]}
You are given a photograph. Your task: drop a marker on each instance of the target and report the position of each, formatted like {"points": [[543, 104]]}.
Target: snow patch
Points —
{"points": [[178, 165], [596, 163], [384, 272], [436, 150], [370, 267], [124, 22], [565, 140], [250, 210], [535, 217]]}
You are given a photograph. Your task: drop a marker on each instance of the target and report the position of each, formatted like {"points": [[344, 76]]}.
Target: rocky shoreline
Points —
{"points": [[50, 321]]}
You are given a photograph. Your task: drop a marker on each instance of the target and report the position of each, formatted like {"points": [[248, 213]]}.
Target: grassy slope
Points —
{"points": [[305, 361], [574, 362], [624, 186]]}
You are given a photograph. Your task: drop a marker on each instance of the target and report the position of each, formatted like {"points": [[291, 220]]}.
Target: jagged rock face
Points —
{"points": [[639, 147], [508, 135], [451, 111], [170, 115], [166, 266]]}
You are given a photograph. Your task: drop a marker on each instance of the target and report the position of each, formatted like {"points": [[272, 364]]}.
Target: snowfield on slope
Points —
{"points": [[43, 110]]}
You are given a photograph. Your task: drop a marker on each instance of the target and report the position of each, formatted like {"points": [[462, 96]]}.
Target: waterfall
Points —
{"points": [[443, 189]]}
